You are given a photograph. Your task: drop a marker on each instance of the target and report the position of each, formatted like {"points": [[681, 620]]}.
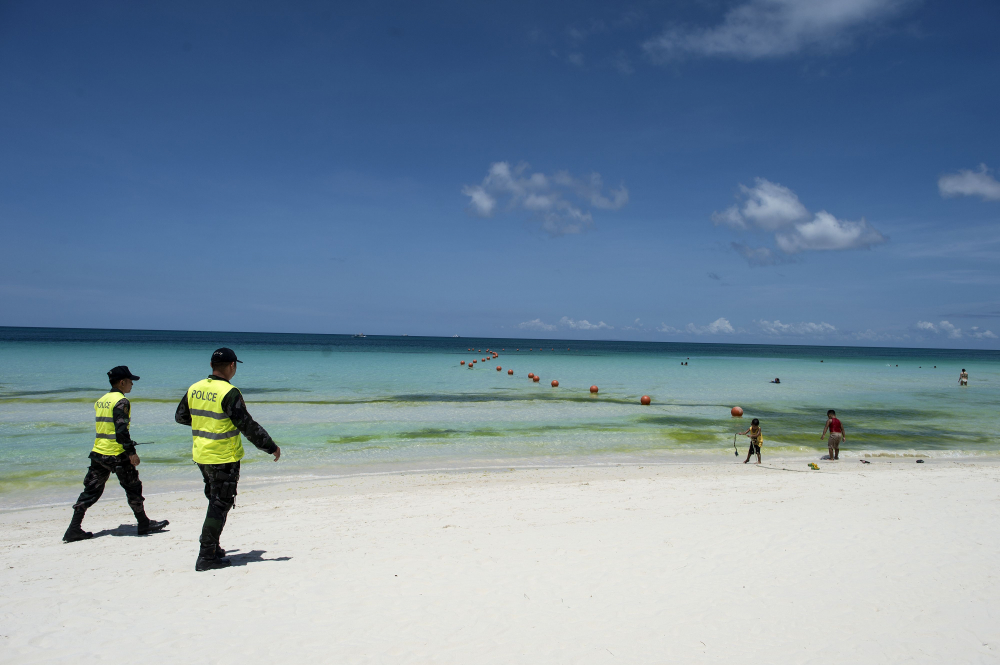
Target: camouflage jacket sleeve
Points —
{"points": [[234, 407], [121, 414], [183, 414]]}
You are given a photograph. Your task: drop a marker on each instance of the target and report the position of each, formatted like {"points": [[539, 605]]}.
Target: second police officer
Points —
{"points": [[217, 414]]}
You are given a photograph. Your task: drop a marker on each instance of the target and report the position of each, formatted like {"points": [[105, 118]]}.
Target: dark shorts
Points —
{"points": [[754, 448]]}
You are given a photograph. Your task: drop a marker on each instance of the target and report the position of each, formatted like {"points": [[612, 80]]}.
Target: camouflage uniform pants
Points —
{"points": [[101, 468], [220, 490]]}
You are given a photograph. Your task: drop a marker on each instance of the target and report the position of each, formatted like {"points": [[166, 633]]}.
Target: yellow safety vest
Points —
{"points": [[216, 439], [104, 421]]}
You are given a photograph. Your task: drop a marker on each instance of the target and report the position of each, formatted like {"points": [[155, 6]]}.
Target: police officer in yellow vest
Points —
{"points": [[215, 410], [114, 452]]}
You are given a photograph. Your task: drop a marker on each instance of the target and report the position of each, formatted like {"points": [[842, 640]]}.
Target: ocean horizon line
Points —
{"points": [[5, 336]]}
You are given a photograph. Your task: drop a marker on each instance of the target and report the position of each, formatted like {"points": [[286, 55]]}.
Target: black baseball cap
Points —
{"points": [[116, 374], [225, 355]]}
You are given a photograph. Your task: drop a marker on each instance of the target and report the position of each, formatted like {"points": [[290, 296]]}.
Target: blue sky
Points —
{"points": [[746, 171]]}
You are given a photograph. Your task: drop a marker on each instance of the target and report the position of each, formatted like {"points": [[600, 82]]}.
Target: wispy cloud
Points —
{"points": [[979, 183], [944, 327], [756, 256], [720, 326], [560, 201], [536, 324], [774, 28], [774, 208], [565, 322], [776, 327], [584, 324]]}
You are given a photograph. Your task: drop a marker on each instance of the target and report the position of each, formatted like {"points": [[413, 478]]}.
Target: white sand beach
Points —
{"points": [[887, 562]]}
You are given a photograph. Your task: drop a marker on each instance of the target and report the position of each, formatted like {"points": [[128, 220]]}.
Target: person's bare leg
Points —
{"points": [[836, 450], [758, 456], [829, 446], [749, 453]]}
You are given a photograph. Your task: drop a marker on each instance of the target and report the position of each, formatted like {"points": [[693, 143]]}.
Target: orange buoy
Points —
{"points": [[555, 384], [463, 362], [737, 412], [536, 379], [593, 389], [511, 372], [646, 400], [531, 375], [474, 360], [499, 368]]}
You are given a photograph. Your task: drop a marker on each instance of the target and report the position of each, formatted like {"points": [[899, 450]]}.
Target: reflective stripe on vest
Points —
{"points": [[215, 439], [104, 422]]}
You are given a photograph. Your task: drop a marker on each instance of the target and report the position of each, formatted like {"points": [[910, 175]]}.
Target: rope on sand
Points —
{"points": [[776, 468]]}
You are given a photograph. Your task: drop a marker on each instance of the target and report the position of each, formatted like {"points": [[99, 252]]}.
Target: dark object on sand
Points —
{"points": [[864, 461], [920, 461]]}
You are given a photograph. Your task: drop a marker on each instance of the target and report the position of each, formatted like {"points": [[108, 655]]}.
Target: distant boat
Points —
{"points": [[360, 335]]}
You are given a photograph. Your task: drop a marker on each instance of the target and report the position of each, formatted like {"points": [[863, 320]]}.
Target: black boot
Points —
{"points": [[147, 525], [209, 559], [75, 531]]}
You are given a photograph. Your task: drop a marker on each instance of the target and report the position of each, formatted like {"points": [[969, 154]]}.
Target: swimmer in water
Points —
{"points": [[756, 438], [963, 378], [776, 380]]}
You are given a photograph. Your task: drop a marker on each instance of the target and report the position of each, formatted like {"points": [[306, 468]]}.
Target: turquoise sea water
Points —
{"points": [[338, 404]]}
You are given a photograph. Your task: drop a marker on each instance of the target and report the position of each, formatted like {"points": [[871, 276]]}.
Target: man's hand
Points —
{"points": [[277, 453], [134, 459]]}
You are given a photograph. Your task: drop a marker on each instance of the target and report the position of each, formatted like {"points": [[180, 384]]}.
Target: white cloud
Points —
{"points": [[479, 200], [952, 331], [584, 324], [988, 334], [826, 232], [756, 256], [664, 328], [970, 183], [536, 324], [558, 201], [717, 327], [945, 327], [770, 207], [774, 28], [776, 327]]}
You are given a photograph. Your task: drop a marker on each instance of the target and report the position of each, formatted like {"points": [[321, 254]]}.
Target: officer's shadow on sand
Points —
{"points": [[253, 556], [125, 530]]}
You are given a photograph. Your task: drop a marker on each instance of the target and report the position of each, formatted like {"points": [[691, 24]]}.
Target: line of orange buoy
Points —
{"points": [[645, 400]]}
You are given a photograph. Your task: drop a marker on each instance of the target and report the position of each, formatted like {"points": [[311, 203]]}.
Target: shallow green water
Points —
{"points": [[338, 405]]}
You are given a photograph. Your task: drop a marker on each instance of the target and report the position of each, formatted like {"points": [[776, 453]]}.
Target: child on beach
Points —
{"points": [[756, 437], [837, 434]]}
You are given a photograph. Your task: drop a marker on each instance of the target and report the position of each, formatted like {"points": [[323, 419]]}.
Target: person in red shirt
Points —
{"points": [[837, 434]]}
